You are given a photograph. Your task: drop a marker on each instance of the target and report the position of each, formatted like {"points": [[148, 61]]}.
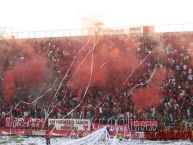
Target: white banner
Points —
{"points": [[75, 124]]}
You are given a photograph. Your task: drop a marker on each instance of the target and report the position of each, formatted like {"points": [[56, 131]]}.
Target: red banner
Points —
{"points": [[132, 126], [24, 123], [112, 127], [143, 126], [123, 128], [143, 123]]}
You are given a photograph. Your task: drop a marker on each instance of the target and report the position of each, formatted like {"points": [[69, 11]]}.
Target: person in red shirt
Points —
{"points": [[47, 137]]}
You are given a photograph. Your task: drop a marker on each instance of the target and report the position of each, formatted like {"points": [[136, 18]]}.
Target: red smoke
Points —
{"points": [[150, 96], [107, 62], [31, 72]]}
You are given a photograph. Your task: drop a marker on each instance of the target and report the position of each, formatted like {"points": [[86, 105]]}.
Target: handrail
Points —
{"points": [[90, 31]]}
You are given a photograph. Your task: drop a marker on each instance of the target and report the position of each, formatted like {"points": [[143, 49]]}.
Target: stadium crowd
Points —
{"points": [[111, 99]]}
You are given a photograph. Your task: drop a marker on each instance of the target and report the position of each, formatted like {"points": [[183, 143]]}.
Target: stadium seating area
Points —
{"points": [[106, 98]]}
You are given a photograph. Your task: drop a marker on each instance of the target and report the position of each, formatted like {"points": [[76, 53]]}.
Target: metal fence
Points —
{"points": [[7, 32]]}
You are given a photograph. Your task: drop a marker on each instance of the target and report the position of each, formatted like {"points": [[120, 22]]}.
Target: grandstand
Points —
{"points": [[75, 82]]}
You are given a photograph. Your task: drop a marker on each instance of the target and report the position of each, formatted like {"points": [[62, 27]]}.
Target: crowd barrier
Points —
{"points": [[160, 135], [81, 127]]}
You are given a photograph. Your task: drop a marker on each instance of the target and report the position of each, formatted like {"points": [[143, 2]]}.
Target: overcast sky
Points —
{"points": [[26, 15]]}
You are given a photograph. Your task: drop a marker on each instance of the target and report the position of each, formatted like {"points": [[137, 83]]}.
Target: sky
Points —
{"points": [[35, 15]]}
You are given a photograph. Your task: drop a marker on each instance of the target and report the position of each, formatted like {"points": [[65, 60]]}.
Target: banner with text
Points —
{"points": [[131, 126], [24, 123], [73, 124], [143, 126]]}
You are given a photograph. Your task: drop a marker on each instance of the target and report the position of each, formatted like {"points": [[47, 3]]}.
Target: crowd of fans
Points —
{"points": [[109, 101]]}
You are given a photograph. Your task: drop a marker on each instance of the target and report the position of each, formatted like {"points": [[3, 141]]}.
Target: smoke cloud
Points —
{"points": [[31, 71], [150, 96], [110, 67]]}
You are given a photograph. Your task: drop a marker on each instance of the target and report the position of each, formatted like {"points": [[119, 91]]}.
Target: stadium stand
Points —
{"points": [[61, 93]]}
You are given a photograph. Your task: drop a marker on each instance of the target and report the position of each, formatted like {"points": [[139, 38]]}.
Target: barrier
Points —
{"points": [[82, 127], [24, 123], [162, 135], [29, 132], [76, 124], [135, 29], [131, 126]]}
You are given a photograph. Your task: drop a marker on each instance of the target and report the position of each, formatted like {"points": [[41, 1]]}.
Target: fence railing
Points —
{"points": [[8, 33]]}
